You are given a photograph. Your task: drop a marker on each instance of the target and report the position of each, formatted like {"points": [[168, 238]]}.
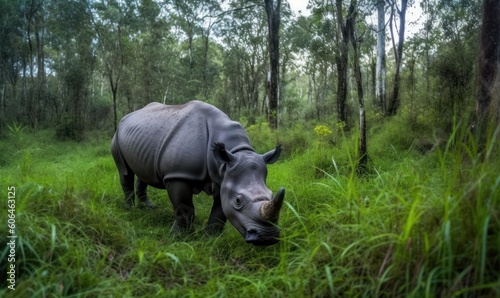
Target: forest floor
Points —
{"points": [[424, 221]]}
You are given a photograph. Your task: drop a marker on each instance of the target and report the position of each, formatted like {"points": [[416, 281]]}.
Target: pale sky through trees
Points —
{"points": [[413, 14]]}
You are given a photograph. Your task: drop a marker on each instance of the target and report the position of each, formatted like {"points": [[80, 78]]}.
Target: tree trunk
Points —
{"points": [[429, 22], [362, 149], [380, 93], [373, 75], [114, 60], [39, 35], [394, 101], [488, 81], [190, 44], [342, 60], [30, 108], [115, 116], [2, 95], [273, 22], [206, 40], [24, 100]]}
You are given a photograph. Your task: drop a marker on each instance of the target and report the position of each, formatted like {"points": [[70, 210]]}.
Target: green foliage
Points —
{"points": [[453, 68], [263, 138], [16, 132], [16, 129], [322, 131], [80, 54], [296, 139], [100, 114], [327, 135], [401, 134], [416, 225], [70, 129]]}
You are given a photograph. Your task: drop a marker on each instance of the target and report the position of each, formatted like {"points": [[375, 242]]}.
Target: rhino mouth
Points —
{"points": [[262, 237]]}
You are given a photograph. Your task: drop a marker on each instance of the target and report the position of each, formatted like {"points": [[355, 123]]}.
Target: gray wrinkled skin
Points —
{"points": [[195, 147]]}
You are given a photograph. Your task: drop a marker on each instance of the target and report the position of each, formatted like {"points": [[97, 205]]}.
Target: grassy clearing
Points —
{"points": [[416, 225]]}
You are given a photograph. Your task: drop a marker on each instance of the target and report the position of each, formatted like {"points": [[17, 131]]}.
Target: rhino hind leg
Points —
{"points": [[181, 196], [142, 193], [126, 174], [127, 182], [217, 218]]}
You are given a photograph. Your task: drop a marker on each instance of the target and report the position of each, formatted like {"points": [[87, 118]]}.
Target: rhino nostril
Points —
{"points": [[251, 235]]}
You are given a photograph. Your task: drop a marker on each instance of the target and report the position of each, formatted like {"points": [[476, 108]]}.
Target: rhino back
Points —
{"points": [[162, 142]]}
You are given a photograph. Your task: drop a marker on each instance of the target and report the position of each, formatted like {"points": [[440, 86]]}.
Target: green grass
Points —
{"points": [[416, 225]]}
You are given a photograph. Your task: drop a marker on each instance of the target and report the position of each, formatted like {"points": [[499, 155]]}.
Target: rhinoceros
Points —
{"points": [[195, 147]]}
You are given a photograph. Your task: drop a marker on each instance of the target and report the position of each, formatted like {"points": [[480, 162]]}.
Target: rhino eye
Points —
{"points": [[238, 202]]}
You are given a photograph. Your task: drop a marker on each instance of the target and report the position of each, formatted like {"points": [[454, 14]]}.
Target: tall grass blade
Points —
{"points": [[329, 278], [484, 247], [299, 218]]}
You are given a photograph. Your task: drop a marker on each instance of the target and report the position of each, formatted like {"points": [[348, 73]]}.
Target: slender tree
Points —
{"points": [[380, 76], [394, 100], [245, 60], [188, 18], [488, 97], [351, 29], [341, 59], [11, 53], [108, 27], [213, 15], [273, 23], [73, 62]]}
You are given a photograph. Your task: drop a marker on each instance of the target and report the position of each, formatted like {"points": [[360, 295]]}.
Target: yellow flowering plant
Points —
{"points": [[323, 131]]}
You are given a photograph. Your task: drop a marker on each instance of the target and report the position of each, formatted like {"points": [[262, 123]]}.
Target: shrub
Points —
{"points": [[70, 129], [323, 131], [398, 133], [295, 140], [100, 112], [262, 137]]}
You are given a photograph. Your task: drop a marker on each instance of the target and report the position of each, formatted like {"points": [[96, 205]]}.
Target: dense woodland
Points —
{"points": [[387, 111], [74, 64]]}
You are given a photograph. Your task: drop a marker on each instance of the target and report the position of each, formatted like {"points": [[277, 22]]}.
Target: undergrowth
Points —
{"points": [[420, 223]]}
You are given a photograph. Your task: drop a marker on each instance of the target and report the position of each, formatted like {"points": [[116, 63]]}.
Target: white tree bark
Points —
{"points": [[380, 68]]}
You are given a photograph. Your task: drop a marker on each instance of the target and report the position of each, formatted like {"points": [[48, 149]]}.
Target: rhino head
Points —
{"points": [[246, 201]]}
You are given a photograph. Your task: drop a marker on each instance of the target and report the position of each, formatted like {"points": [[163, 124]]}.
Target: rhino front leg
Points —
{"points": [[181, 196], [217, 218], [142, 193]]}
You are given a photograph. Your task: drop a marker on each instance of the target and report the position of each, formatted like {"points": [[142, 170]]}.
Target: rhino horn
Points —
{"points": [[270, 211]]}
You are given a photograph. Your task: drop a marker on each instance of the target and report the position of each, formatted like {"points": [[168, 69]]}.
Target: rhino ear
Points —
{"points": [[221, 154], [273, 155]]}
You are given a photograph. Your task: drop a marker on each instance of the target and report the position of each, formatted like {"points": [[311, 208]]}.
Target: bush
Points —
{"points": [[100, 112], [70, 129], [262, 137], [397, 133], [295, 140]]}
